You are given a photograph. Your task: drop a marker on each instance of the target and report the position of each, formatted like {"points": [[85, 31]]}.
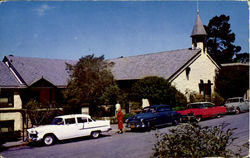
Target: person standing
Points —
{"points": [[120, 121], [117, 108]]}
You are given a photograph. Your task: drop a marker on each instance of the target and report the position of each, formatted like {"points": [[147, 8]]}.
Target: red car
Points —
{"points": [[200, 110]]}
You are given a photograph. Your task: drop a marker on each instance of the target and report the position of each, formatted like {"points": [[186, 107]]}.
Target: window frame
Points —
{"points": [[10, 97]]}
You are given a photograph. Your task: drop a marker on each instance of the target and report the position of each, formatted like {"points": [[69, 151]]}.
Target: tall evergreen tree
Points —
{"points": [[220, 39]]}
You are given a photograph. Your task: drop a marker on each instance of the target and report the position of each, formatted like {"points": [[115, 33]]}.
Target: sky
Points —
{"points": [[74, 29]]}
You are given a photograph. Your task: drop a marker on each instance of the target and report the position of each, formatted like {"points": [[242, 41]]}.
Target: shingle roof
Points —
{"points": [[7, 78], [198, 28], [33, 69], [163, 64]]}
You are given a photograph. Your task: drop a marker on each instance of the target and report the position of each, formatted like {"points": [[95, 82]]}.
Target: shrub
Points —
{"points": [[126, 116], [194, 96], [158, 91], [217, 99], [179, 108], [192, 140]]}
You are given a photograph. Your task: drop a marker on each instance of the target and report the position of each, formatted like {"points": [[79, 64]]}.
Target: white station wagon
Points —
{"points": [[68, 126]]}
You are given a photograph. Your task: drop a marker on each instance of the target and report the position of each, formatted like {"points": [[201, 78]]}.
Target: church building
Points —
{"points": [[22, 78]]}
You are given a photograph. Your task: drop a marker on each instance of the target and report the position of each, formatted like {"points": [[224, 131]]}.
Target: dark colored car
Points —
{"points": [[153, 116]]}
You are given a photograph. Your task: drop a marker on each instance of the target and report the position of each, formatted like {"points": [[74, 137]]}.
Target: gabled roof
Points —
{"points": [[33, 69], [163, 64], [198, 28], [7, 78]]}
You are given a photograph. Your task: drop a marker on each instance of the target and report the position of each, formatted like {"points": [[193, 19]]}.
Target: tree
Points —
{"points": [[242, 58], [158, 91], [232, 81], [92, 82], [220, 39], [39, 113]]}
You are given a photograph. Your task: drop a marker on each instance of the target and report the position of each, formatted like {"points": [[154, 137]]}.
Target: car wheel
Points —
{"points": [[175, 122], [95, 134], [218, 115], [48, 140], [198, 118], [149, 126], [237, 111]]}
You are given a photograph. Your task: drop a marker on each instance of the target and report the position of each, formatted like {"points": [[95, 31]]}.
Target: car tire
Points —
{"points": [[218, 115], [237, 110], [95, 134], [175, 122], [149, 126], [48, 140], [198, 118]]}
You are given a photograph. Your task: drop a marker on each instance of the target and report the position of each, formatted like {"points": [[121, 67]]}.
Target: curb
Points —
{"points": [[22, 143], [14, 145]]}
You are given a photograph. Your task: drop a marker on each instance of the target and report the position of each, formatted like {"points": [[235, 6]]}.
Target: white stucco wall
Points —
{"points": [[16, 116], [17, 100], [201, 69]]}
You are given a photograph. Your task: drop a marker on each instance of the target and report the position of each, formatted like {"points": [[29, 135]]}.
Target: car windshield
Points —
{"points": [[195, 105], [57, 121], [148, 109], [232, 100]]}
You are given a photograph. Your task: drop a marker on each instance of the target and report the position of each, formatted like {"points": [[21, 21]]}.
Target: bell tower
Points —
{"points": [[199, 35]]}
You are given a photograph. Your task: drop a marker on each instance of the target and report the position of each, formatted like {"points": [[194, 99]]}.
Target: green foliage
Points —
{"points": [[192, 140], [41, 113], [220, 39], [194, 96], [232, 81], [91, 81], [217, 99], [177, 108], [126, 116], [158, 91], [241, 58]]}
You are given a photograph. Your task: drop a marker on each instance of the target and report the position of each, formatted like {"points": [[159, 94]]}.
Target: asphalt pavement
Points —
{"points": [[127, 145]]}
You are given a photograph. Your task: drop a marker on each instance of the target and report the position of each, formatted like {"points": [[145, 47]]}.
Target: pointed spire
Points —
{"points": [[198, 28]]}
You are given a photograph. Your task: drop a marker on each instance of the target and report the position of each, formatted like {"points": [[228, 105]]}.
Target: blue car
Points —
{"points": [[153, 116]]}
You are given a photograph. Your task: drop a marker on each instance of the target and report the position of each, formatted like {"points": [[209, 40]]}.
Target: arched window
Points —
{"points": [[188, 69]]}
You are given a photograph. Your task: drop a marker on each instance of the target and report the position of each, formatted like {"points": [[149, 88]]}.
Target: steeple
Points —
{"points": [[198, 34]]}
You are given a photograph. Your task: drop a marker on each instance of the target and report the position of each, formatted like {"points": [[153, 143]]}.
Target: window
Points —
{"points": [[188, 69], [57, 121], [82, 119], [195, 105], [163, 108], [209, 105], [7, 126], [6, 99], [70, 121]]}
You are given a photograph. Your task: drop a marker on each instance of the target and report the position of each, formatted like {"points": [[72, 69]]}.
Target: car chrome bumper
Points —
{"points": [[187, 118], [30, 139], [136, 125]]}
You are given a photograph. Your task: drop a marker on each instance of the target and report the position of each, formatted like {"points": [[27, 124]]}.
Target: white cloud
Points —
{"points": [[41, 10]]}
